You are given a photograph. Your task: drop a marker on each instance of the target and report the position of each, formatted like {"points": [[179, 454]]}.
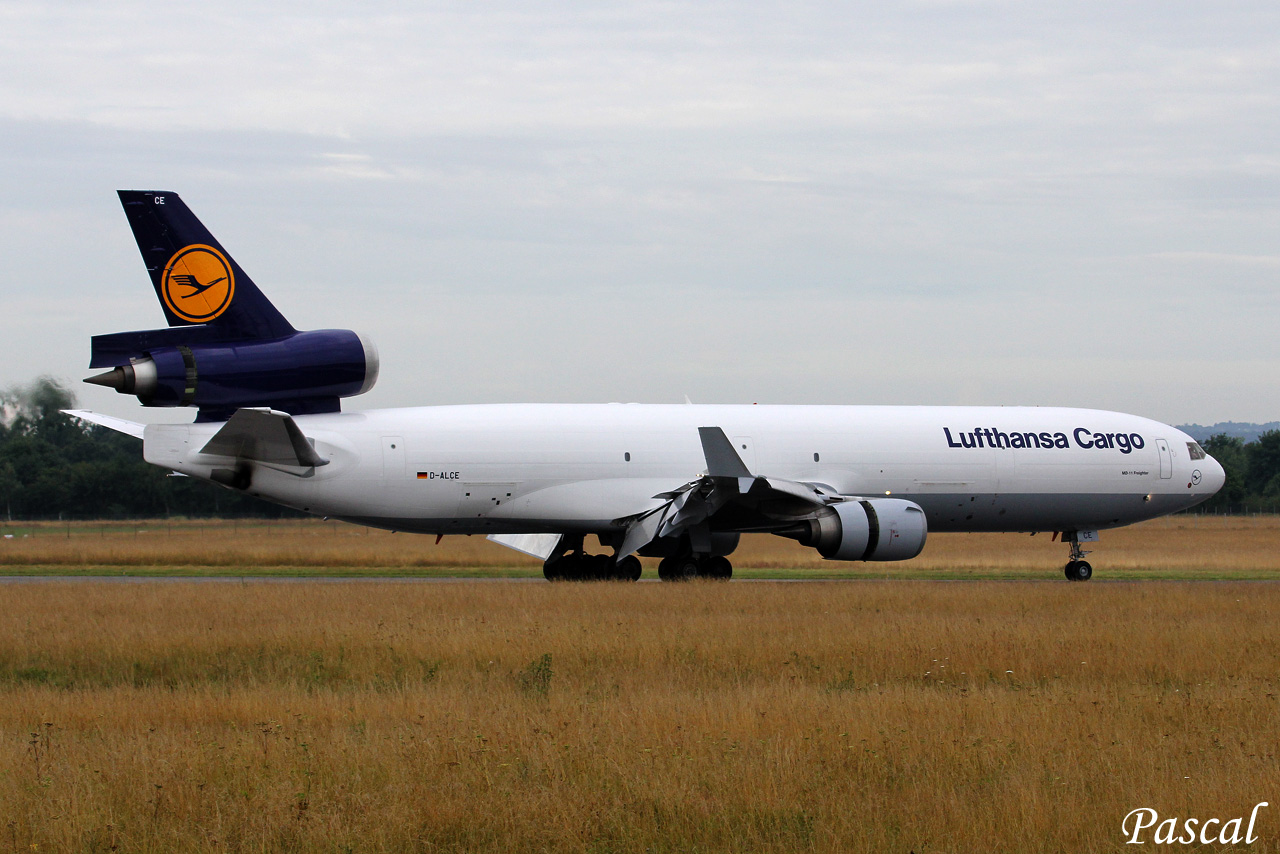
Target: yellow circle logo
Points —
{"points": [[198, 283]]}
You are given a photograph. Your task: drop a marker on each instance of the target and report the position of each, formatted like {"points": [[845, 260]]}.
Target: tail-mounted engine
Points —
{"points": [[304, 373], [227, 346]]}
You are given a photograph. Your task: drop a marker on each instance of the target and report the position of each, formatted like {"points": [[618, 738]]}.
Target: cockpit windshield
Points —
{"points": [[1196, 452]]}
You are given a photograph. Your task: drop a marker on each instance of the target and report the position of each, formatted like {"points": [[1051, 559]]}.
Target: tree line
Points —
{"points": [[1253, 473], [53, 466], [56, 467]]}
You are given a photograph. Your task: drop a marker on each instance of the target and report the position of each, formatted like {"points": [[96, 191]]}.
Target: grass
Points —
{"points": [[1179, 547], [877, 717]]}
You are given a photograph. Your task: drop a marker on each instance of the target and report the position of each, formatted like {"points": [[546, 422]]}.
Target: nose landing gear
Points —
{"points": [[1078, 569]]}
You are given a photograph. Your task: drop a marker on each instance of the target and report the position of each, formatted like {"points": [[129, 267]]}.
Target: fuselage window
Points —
{"points": [[1196, 452]]}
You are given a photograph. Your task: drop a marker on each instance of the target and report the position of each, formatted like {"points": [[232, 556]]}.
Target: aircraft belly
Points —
{"points": [[1026, 512]]}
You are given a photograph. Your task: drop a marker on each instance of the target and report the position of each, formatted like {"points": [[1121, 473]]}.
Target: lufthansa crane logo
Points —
{"points": [[198, 283]]}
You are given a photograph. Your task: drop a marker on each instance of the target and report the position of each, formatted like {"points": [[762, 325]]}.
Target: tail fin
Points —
{"points": [[195, 279]]}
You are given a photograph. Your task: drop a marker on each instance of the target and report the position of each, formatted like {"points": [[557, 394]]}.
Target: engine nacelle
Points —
{"points": [[303, 373], [873, 529]]}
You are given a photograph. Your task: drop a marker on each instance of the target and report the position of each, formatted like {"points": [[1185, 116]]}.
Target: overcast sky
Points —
{"points": [[940, 202]]}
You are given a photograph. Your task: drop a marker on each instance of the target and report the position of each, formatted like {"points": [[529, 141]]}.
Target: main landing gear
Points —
{"points": [[1077, 569], [574, 564], [688, 567], [585, 567]]}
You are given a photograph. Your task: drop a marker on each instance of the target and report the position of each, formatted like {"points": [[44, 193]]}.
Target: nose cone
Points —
{"points": [[1213, 476]]}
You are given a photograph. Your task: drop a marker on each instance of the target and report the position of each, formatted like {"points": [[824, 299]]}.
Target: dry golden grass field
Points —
{"points": [[1206, 547], [468, 716], [879, 717]]}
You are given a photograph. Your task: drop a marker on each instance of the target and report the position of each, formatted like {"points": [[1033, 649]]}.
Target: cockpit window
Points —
{"points": [[1196, 452]]}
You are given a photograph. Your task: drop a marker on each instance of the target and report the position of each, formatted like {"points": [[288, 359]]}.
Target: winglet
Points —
{"points": [[722, 459]]}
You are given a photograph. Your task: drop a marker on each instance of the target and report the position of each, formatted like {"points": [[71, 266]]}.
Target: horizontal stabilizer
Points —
{"points": [[540, 546], [266, 436], [129, 428], [117, 348]]}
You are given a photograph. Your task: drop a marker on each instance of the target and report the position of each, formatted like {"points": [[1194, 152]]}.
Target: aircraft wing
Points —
{"points": [[727, 497], [265, 436]]}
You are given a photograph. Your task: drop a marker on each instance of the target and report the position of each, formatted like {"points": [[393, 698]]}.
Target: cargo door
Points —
{"points": [[1166, 459]]}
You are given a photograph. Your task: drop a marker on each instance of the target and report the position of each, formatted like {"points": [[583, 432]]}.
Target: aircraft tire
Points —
{"points": [[719, 568], [553, 570], [1078, 570], [628, 569], [596, 568], [681, 568], [688, 568]]}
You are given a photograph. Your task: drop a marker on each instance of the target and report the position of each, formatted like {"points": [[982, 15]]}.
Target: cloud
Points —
{"points": [[936, 202]]}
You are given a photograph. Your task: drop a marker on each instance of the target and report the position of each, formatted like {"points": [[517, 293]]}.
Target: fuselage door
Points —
{"points": [[393, 457], [1166, 459]]}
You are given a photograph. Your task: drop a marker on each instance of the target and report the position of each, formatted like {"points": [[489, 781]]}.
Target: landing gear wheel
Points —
{"points": [[600, 568], [1078, 570], [718, 568], [679, 568], [553, 569], [688, 568], [628, 569]]}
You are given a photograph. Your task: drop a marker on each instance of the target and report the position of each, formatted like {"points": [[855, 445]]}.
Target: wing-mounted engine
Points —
{"points": [[866, 529], [730, 499]]}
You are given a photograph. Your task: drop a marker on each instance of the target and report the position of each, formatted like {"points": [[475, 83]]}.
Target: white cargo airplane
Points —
{"points": [[680, 482]]}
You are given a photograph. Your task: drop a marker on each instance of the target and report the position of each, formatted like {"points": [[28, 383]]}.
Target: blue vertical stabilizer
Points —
{"points": [[195, 279]]}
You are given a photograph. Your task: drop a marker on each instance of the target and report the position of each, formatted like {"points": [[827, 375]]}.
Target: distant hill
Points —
{"points": [[1246, 431]]}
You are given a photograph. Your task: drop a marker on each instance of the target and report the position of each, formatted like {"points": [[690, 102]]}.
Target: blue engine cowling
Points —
{"points": [[302, 373]]}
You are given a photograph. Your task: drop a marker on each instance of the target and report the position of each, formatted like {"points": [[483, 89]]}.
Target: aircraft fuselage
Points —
{"points": [[552, 468]]}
